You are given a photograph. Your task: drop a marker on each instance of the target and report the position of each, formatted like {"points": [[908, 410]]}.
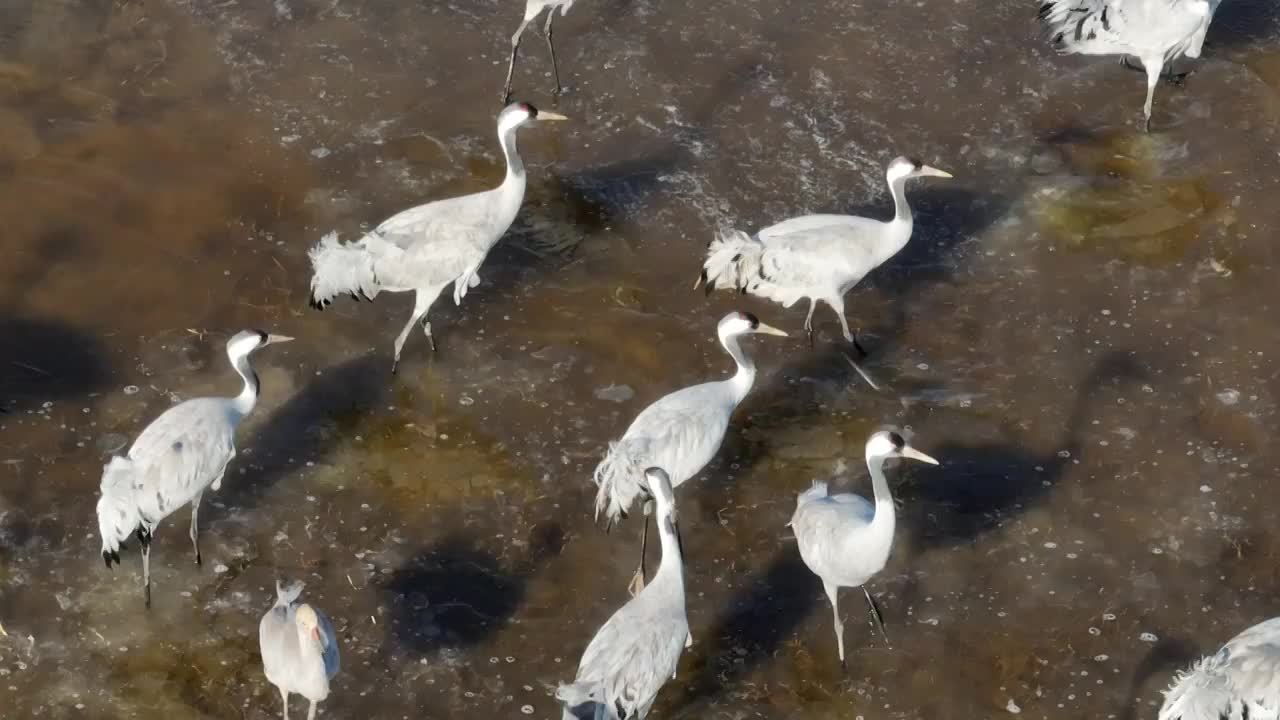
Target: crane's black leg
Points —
{"points": [[144, 538], [515, 48], [876, 614], [555, 68]]}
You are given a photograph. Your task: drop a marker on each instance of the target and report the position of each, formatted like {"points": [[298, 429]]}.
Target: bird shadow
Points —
{"points": [[1243, 23], [760, 616], [455, 594], [43, 359], [1166, 654], [308, 426], [979, 485]]}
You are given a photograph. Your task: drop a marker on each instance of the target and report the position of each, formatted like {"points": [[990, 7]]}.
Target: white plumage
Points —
{"points": [[634, 653], [680, 432], [173, 461], [1157, 32], [819, 257], [532, 9], [299, 649], [1239, 682], [425, 248], [844, 539]]}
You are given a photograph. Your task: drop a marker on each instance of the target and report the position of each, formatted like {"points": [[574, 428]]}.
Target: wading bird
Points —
{"points": [[1240, 682], [531, 10], [299, 649], [423, 249], [680, 433], [844, 539], [1156, 32], [173, 461], [634, 653], [819, 257]]}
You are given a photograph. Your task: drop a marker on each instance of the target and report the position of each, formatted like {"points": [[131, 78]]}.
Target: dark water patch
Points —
{"points": [[42, 360]]}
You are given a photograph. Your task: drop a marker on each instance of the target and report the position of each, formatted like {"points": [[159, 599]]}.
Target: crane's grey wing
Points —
{"points": [[682, 430], [813, 262], [278, 643], [1146, 28], [633, 655], [1242, 680], [329, 641], [821, 522], [434, 244], [181, 453], [1197, 39], [805, 223]]}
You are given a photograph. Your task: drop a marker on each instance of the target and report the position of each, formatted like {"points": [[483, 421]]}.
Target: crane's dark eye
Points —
{"points": [[897, 440], [262, 335], [916, 162], [533, 111], [755, 321]]}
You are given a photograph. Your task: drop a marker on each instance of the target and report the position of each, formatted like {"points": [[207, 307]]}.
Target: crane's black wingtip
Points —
{"points": [[110, 556]]}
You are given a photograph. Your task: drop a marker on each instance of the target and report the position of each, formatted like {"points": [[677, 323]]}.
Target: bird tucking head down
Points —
{"points": [[904, 168], [307, 622]]}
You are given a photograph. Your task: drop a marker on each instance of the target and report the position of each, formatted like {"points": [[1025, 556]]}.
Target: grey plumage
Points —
{"points": [[1156, 32], [426, 248], [299, 649], [173, 461], [1239, 682], [638, 648]]}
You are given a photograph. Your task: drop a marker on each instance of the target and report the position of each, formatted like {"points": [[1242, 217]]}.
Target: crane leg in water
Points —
{"points": [[1153, 78], [195, 532], [555, 67], [311, 713], [284, 697], [838, 305], [515, 48], [808, 322], [638, 580], [1171, 77], [833, 592], [422, 303], [876, 614], [144, 539]]}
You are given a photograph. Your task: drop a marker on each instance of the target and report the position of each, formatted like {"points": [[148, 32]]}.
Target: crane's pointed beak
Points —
{"points": [[547, 115], [914, 454], [934, 172], [275, 339], [770, 330]]}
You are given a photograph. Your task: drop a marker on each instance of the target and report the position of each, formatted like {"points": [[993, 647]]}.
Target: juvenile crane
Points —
{"points": [[1156, 32], [680, 433], [844, 539], [633, 654], [1240, 682], [424, 248], [299, 649], [532, 9], [178, 456], [819, 257]]}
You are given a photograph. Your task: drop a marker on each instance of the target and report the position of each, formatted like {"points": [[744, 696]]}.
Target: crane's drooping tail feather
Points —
{"points": [[286, 594], [587, 693], [817, 492], [733, 261], [1072, 23], [340, 268], [117, 512], [620, 477], [1197, 693]]}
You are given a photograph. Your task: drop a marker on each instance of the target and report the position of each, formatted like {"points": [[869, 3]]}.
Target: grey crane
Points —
{"points": [[1156, 32], [299, 649], [844, 539], [425, 248], [176, 458], [638, 648], [819, 257], [680, 433], [1239, 682], [532, 9]]}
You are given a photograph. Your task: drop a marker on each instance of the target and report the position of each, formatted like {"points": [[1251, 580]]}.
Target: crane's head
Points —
{"points": [[519, 113], [904, 168], [308, 623], [664, 496], [891, 444], [742, 323], [246, 341]]}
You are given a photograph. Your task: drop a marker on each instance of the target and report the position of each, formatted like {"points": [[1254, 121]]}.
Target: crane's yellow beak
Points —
{"points": [[545, 115], [914, 454], [770, 330], [934, 172], [273, 339]]}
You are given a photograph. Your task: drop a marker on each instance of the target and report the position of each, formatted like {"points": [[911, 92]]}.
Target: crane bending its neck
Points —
{"points": [[248, 397], [742, 380]]}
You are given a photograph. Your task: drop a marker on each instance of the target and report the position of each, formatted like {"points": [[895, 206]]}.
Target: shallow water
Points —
{"points": [[1081, 330]]}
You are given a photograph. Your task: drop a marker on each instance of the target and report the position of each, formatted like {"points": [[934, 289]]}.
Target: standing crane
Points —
{"points": [[680, 433], [844, 539], [424, 248], [1239, 682], [173, 461], [1156, 32], [638, 648], [532, 8], [819, 257], [299, 649]]}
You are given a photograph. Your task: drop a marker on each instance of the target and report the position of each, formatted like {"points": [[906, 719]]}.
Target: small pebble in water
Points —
{"points": [[1148, 637], [220, 568], [1013, 707], [526, 709], [130, 389]]}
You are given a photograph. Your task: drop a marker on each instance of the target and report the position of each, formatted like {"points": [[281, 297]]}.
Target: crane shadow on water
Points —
{"points": [[979, 485], [1241, 23], [455, 594], [1166, 656], [43, 360]]}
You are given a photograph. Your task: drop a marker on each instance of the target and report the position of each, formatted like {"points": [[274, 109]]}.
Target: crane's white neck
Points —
{"points": [[671, 568], [741, 382], [899, 228], [248, 397], [515, 166], [885, 519]]}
